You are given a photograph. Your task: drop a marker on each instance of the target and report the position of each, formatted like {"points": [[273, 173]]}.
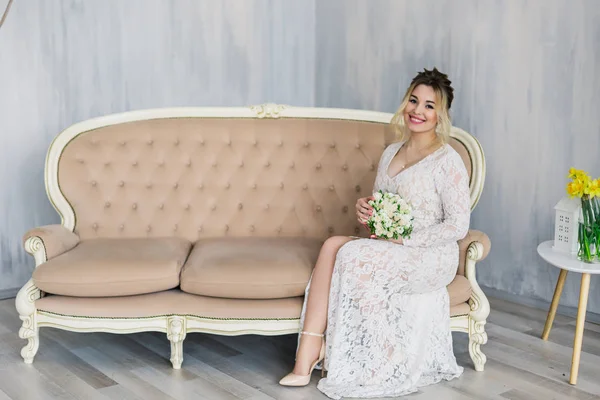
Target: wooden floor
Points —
{"points": [[100, 366]]}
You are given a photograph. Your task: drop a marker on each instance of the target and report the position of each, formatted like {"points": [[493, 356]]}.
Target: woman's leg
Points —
{"points": [[315, 318]]}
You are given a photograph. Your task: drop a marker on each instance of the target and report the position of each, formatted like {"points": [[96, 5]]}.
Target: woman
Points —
{"points": [[384, 302]]}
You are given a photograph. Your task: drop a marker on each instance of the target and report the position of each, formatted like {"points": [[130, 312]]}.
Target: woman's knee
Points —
{"points": [[334, 243]]}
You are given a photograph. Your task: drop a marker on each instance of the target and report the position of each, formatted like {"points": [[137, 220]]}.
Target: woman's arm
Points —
{"points": [[452, 181]]}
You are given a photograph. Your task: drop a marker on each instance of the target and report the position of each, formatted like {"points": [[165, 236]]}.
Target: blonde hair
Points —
{"points": [[445, 94]]}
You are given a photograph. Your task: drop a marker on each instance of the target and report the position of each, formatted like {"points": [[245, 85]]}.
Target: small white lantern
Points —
{"points": [[566, 225]]}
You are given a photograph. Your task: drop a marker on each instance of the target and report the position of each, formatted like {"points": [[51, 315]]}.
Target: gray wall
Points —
{"points": [[63, 61], [527, 85], [526, 74]]}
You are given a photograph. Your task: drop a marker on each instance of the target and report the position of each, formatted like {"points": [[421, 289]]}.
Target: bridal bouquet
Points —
{"points": [[392, 216]]}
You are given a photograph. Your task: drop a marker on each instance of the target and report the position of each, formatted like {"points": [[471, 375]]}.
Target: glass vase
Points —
{"points": [[589, 230]]}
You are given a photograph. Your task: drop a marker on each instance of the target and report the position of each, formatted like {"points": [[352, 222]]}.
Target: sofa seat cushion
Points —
{"points": [[114, 267], [171, 302], [459, 290], [250, 268]]}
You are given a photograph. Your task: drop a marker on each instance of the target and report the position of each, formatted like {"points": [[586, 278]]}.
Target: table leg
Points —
{"points": [[583, 298], [555, 300]]}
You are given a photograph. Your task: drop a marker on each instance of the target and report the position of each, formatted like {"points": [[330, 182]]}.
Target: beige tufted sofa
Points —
{"points": [[210, 220]]}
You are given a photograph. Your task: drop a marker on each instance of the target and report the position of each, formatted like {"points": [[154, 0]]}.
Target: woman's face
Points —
{"points": [[419, 114]]}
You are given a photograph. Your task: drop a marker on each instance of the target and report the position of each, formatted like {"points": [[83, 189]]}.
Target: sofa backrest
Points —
{"points": [[207, 172]]}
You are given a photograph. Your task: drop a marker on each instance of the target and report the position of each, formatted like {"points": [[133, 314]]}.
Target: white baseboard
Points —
{"points": [[537, 303]]}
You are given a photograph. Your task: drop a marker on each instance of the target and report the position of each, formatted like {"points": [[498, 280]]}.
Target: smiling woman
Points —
{"points": [[375, 313]]}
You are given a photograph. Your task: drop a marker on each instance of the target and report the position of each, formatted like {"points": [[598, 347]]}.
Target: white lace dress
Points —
{"points": [[388, 330]]}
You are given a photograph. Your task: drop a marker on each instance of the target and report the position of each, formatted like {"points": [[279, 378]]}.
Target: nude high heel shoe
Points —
{"points": [[292, 379]]}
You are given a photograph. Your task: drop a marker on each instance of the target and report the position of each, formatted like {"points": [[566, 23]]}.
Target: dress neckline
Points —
{"points": [[387, 168]]}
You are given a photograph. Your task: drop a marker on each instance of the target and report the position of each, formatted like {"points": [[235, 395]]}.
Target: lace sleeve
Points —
{"points": [[452, 181], [382, 167]]}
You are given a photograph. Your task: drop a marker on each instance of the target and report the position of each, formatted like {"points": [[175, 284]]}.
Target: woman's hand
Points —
{"points": [[363, 209]]}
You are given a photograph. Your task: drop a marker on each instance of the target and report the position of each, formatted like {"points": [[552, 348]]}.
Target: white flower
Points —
{"points": [[392, 215]]}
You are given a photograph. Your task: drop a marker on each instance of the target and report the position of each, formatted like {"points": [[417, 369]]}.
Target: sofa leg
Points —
{"points": [[477, 337], [25, 303], [176, 331]]}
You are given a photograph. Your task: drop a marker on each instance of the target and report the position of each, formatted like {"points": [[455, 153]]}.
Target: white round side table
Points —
{"points": [[568, 262]]}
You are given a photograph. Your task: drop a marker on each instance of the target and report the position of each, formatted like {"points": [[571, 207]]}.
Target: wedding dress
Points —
{"points": [[388, 328]]}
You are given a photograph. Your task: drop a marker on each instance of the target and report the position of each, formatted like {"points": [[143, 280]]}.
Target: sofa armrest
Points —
{"points": [[49, 241], [463, 246]]}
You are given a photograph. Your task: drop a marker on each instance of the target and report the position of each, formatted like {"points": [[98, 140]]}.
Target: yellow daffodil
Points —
{"points": [[581, 184], [594, 188]]}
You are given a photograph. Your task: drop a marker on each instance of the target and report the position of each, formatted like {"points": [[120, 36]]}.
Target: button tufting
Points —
{"points": [[134, 206], [372, 167], [201, 186], [228, 185], [268, 164], [107, 164], [150, 142], [121, 227], [240, 206], [281, 185], [122, 143], [107, 204], [254, 186], [279, 229], [344, 167], [161, 164], [214, 164], [176, 185], [280, 144], [95, 226], [332, 145], [331, 188], [226, 228], [292, 165], [81, 161], [94, 183], [229, 142], [330, 229], [345, 209], [187, 206], [358, 145], [306, 144], [94, 142], [319, 208], [213, 207], [356, 230], [177, 142], [188, 163], [121, 183], [135, 163], [255, 143], [266, 207], [201, 142], [241, 164], [148, 186], [200, 229], [293, 208], [304, 187], [318, 165], [148, 228], [175, 227], [252, 228], [357, 188], [161, 206]]}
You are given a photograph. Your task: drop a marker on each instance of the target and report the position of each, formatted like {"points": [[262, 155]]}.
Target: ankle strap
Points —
{"points": [[312, 334]]}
